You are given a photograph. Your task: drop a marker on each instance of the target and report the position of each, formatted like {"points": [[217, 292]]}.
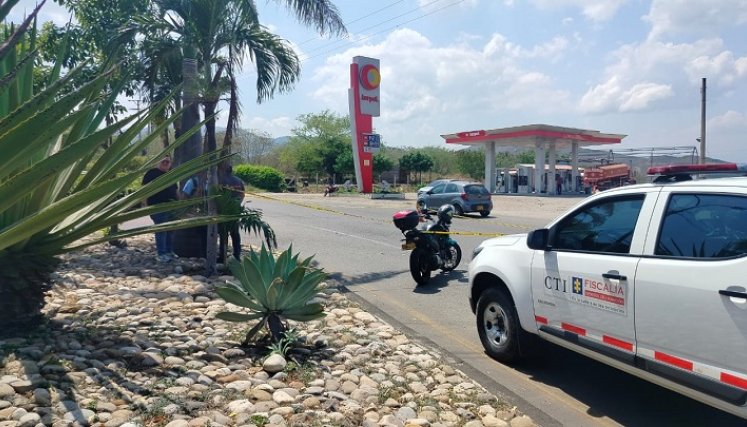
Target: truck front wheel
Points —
{"points": [[498, 325]]}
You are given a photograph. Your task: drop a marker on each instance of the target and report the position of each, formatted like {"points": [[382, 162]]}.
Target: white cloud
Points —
{"points": [[729, 120], [642, 95], [594, 10], [602, 97], [276, 126], [706, 17], [422, 82], [614, 96], [723, 67], [647, 72], [553, 49]]}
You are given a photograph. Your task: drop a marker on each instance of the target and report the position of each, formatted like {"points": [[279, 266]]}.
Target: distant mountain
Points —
{"points": [[281, 140]]}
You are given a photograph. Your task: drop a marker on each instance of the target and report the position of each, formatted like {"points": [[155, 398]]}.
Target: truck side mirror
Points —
{"points": [[537, 239]]}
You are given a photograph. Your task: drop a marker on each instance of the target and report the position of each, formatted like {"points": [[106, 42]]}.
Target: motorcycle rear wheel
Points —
{"points": [[456, 254], [419, 267]]}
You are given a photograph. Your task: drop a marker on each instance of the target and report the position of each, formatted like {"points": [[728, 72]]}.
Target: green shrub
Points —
{"points": [[263, 177]]}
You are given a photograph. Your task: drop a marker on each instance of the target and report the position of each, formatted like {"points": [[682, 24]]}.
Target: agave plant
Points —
{"points": [[61, 171], [273, 291]]}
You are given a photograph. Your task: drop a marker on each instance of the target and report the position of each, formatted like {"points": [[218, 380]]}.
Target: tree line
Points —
{"points": [[321, 145]]}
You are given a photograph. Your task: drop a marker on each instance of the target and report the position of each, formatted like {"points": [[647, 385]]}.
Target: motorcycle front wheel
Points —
{"points": [[419, 267], [455, 252]]}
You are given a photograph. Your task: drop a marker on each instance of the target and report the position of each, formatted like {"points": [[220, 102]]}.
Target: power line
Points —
{"points": [[347, 36], [382, 31], [375, 12], [356, 20]]}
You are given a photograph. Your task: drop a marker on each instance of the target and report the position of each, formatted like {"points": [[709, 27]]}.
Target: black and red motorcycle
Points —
{"points": [[429, 241]]}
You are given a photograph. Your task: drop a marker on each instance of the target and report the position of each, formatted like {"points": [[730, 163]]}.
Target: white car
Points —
{"points": [[650, 279]]}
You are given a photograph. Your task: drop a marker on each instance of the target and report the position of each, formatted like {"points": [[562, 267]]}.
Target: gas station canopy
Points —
{"points": [[529, 135], [539, 137]]}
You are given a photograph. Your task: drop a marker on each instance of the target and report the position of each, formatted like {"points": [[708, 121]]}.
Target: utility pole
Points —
{"points": [[702, 138]]}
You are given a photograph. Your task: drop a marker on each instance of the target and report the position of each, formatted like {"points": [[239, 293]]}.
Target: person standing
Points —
{"points": [[164, 239], [236, 185]]}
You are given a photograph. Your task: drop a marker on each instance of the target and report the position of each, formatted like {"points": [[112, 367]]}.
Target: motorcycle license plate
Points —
{"points": [[408, 246]]}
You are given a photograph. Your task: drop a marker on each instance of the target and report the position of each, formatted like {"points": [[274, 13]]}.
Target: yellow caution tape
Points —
{"points": [[323, 209], [464, 233], [316, 208]]}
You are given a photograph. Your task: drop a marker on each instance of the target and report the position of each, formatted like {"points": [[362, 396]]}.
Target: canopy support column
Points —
{"points": [[574, 167], [490, 174], [550, 179], [539, 166]]}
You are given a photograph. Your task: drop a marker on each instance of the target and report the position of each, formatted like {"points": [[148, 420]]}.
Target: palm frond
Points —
{"points": [[320, 14]]}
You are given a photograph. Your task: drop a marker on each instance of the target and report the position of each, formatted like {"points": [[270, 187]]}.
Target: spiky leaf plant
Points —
{"points": [[273, 291], [60, 177]]}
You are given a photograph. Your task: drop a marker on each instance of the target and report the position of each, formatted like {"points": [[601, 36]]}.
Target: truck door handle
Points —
{"points": [[614, 276], [734, 294]]}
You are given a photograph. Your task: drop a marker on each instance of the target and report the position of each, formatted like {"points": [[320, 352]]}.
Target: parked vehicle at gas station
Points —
{"points": [[423, 190], [650, 279], [464, 196]]}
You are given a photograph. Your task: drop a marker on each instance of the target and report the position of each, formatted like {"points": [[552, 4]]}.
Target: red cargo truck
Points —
{"points": [[607, 176]]}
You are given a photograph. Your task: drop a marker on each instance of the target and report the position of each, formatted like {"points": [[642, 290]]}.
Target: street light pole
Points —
{"points": [[702, 138]]}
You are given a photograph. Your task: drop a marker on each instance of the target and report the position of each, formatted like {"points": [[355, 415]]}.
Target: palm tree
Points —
{"points": [[162, 68], [222, 33], [320, 14], [225, 32]]}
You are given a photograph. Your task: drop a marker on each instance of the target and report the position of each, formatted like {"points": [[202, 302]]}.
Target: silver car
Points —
{"points": [[465, 196], [423, 190]]}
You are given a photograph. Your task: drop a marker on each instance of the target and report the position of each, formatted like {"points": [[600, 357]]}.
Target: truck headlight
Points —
{"points": [[476, 251]]}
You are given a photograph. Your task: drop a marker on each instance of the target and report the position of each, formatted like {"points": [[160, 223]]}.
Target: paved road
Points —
{"points": [[360, 247]]}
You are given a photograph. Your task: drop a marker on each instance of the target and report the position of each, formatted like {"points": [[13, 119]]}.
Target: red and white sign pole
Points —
{"points": [[364, 102]]}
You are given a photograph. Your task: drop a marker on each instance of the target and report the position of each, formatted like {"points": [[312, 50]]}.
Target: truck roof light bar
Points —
{"points": [[674, 173], [682, 169]]}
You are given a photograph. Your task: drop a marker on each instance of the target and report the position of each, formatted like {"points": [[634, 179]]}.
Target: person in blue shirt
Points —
{"points": [[191, 186]]}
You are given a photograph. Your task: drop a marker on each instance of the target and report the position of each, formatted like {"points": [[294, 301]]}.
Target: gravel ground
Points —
{"points": [[131, 342]]}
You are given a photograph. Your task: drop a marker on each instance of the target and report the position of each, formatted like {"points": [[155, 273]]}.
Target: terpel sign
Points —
{"points": [[369, 79]]}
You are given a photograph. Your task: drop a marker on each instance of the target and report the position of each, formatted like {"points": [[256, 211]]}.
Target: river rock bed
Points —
{"points": [[132, 342]]}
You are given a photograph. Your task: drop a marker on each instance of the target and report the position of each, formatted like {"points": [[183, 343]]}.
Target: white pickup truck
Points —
{"points": [[650, 279]]}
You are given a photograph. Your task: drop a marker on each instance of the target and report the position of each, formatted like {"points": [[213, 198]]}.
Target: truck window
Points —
{"points": [[703, 226], [606, 226]]}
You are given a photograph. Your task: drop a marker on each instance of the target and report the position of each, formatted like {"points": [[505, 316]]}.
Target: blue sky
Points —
{"points": [[618, 66]]}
